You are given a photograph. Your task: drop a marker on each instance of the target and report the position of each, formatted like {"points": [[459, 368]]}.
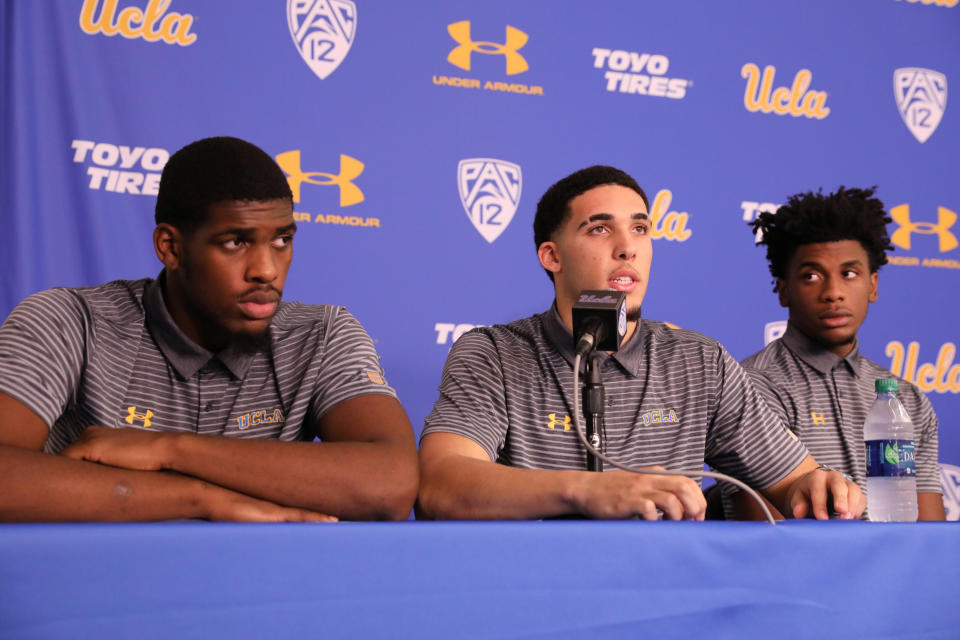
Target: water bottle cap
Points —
{"points": [[886, 385]]}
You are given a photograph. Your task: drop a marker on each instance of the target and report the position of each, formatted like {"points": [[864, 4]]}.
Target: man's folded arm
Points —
{"points": [[38, 487], [365, 467]]}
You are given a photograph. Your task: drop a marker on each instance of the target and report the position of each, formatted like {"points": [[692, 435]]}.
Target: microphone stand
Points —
{"points": [[594, 400]]}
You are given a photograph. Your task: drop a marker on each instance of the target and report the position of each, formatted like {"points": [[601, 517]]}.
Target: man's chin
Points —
{"points": [[250, 342]]}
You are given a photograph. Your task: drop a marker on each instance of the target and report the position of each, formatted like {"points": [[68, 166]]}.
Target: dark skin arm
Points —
{"points": [[365, 468], [37, 487]]}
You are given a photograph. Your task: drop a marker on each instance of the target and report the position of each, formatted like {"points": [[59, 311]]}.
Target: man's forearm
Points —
{"points": [[41, 487], [351, 480], [463, 488]]}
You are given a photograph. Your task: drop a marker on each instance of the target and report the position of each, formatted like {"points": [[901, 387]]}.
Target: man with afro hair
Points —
{"points": [[825, 253]]}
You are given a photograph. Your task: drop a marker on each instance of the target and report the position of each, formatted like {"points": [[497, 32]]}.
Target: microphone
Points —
{"points": [[599, 320]]}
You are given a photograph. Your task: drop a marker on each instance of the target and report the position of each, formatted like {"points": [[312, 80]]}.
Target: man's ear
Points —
{"points": [[168, 243], [549, 256], [874, 281], [782, 293]]}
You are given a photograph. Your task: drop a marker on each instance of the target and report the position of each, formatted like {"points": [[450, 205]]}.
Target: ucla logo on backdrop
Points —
{"points": [[466, 50], [152, 23], [751, 210], [344, 180], [489, 192], [667, 224], [939, 3], [451, 331], [773, 330], [134, 417], [941, 375], [950, 481], [121, 168], [921, 96], [323, 32], [798, 100], [639, 73], [911, 234]]}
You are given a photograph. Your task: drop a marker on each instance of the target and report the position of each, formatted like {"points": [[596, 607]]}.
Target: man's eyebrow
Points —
{"points": [[292, 227], [245, 231], [606, 217]]}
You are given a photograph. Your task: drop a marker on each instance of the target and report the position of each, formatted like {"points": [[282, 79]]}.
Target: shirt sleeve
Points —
{"points": [[746, 438], [42, 352], [350, 366], [472, 400], [926, 427]]}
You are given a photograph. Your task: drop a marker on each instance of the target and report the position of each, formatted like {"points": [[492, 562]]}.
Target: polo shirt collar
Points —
{"points": [[816, 355], [629, 355], [186, 356]]}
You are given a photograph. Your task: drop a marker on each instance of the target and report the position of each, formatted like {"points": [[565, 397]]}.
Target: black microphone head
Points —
{"points": [[609, 307]]}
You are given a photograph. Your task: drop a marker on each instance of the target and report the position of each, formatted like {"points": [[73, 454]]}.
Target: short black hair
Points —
{"points": [[554, 206], [808, 218], [214, 170]]}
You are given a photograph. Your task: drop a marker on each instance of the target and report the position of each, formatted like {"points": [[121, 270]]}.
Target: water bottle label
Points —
{"points": [[890, 458]]}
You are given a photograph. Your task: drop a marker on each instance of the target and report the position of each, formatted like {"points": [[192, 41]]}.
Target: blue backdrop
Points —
{"points": [[419, 136]]}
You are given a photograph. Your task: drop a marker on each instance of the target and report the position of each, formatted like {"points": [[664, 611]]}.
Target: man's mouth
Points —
{"points": [[623, 281], [260, 305], [836, 319]]}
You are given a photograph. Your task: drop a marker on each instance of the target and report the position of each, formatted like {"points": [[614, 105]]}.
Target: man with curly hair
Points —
{"points": [[825, 253]]}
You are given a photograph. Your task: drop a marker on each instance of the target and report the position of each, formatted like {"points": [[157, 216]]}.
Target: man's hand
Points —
{"points": [[809, 494], [622, 494], [135, 449], [225, 505]]}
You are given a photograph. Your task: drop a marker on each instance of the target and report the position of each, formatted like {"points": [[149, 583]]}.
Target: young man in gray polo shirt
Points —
{"points": [[499, 442], [825, 252], [203, 372]]}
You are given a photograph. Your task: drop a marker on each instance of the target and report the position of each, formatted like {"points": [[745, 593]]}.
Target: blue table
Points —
{"points": [[529, 579]]}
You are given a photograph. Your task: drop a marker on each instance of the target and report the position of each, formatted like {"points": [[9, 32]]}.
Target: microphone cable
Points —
{"points": [[666, 472]]}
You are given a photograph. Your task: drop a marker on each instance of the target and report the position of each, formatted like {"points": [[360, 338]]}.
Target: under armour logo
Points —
{"points": [[132, 416], [350, 168], [460, 56], [565, 423], [818, 418], [945, 220]]}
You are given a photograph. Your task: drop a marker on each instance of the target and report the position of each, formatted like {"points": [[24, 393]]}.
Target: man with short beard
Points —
{"points": [[203, 372], [499, 443]]}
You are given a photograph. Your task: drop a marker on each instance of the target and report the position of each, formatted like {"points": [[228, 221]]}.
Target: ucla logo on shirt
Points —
{"points": [[554, 422], [910, 233], [659, 416], [259, 417], [135, 417], [950, 481], [921, 96], [344, 180], [489, 192], [323, 32]]}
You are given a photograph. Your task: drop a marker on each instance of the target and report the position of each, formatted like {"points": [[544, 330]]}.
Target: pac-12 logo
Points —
{"points": [[950, 481], [490, 192], [323, 32], [773, 330], [921, 96]]}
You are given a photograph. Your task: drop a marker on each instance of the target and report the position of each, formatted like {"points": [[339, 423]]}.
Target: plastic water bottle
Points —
{"points": [[891, 476]]}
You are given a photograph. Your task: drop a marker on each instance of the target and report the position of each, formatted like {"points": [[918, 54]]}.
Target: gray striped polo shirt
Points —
{"points": [[674, 398], [111, 355], [824, 399]]}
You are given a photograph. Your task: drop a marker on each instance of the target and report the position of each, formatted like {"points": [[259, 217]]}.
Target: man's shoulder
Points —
{"points": [[118, 302], [767, 358], [295, 315], [665, 335]]}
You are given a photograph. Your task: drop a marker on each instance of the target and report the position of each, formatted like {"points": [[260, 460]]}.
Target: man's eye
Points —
{"points": [[597, 230], [809, 277], [232, 243], [282, 241], [642, 229]]}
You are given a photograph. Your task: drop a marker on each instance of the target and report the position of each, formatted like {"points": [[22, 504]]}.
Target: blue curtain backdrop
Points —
{"points": [[421, 135]]}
